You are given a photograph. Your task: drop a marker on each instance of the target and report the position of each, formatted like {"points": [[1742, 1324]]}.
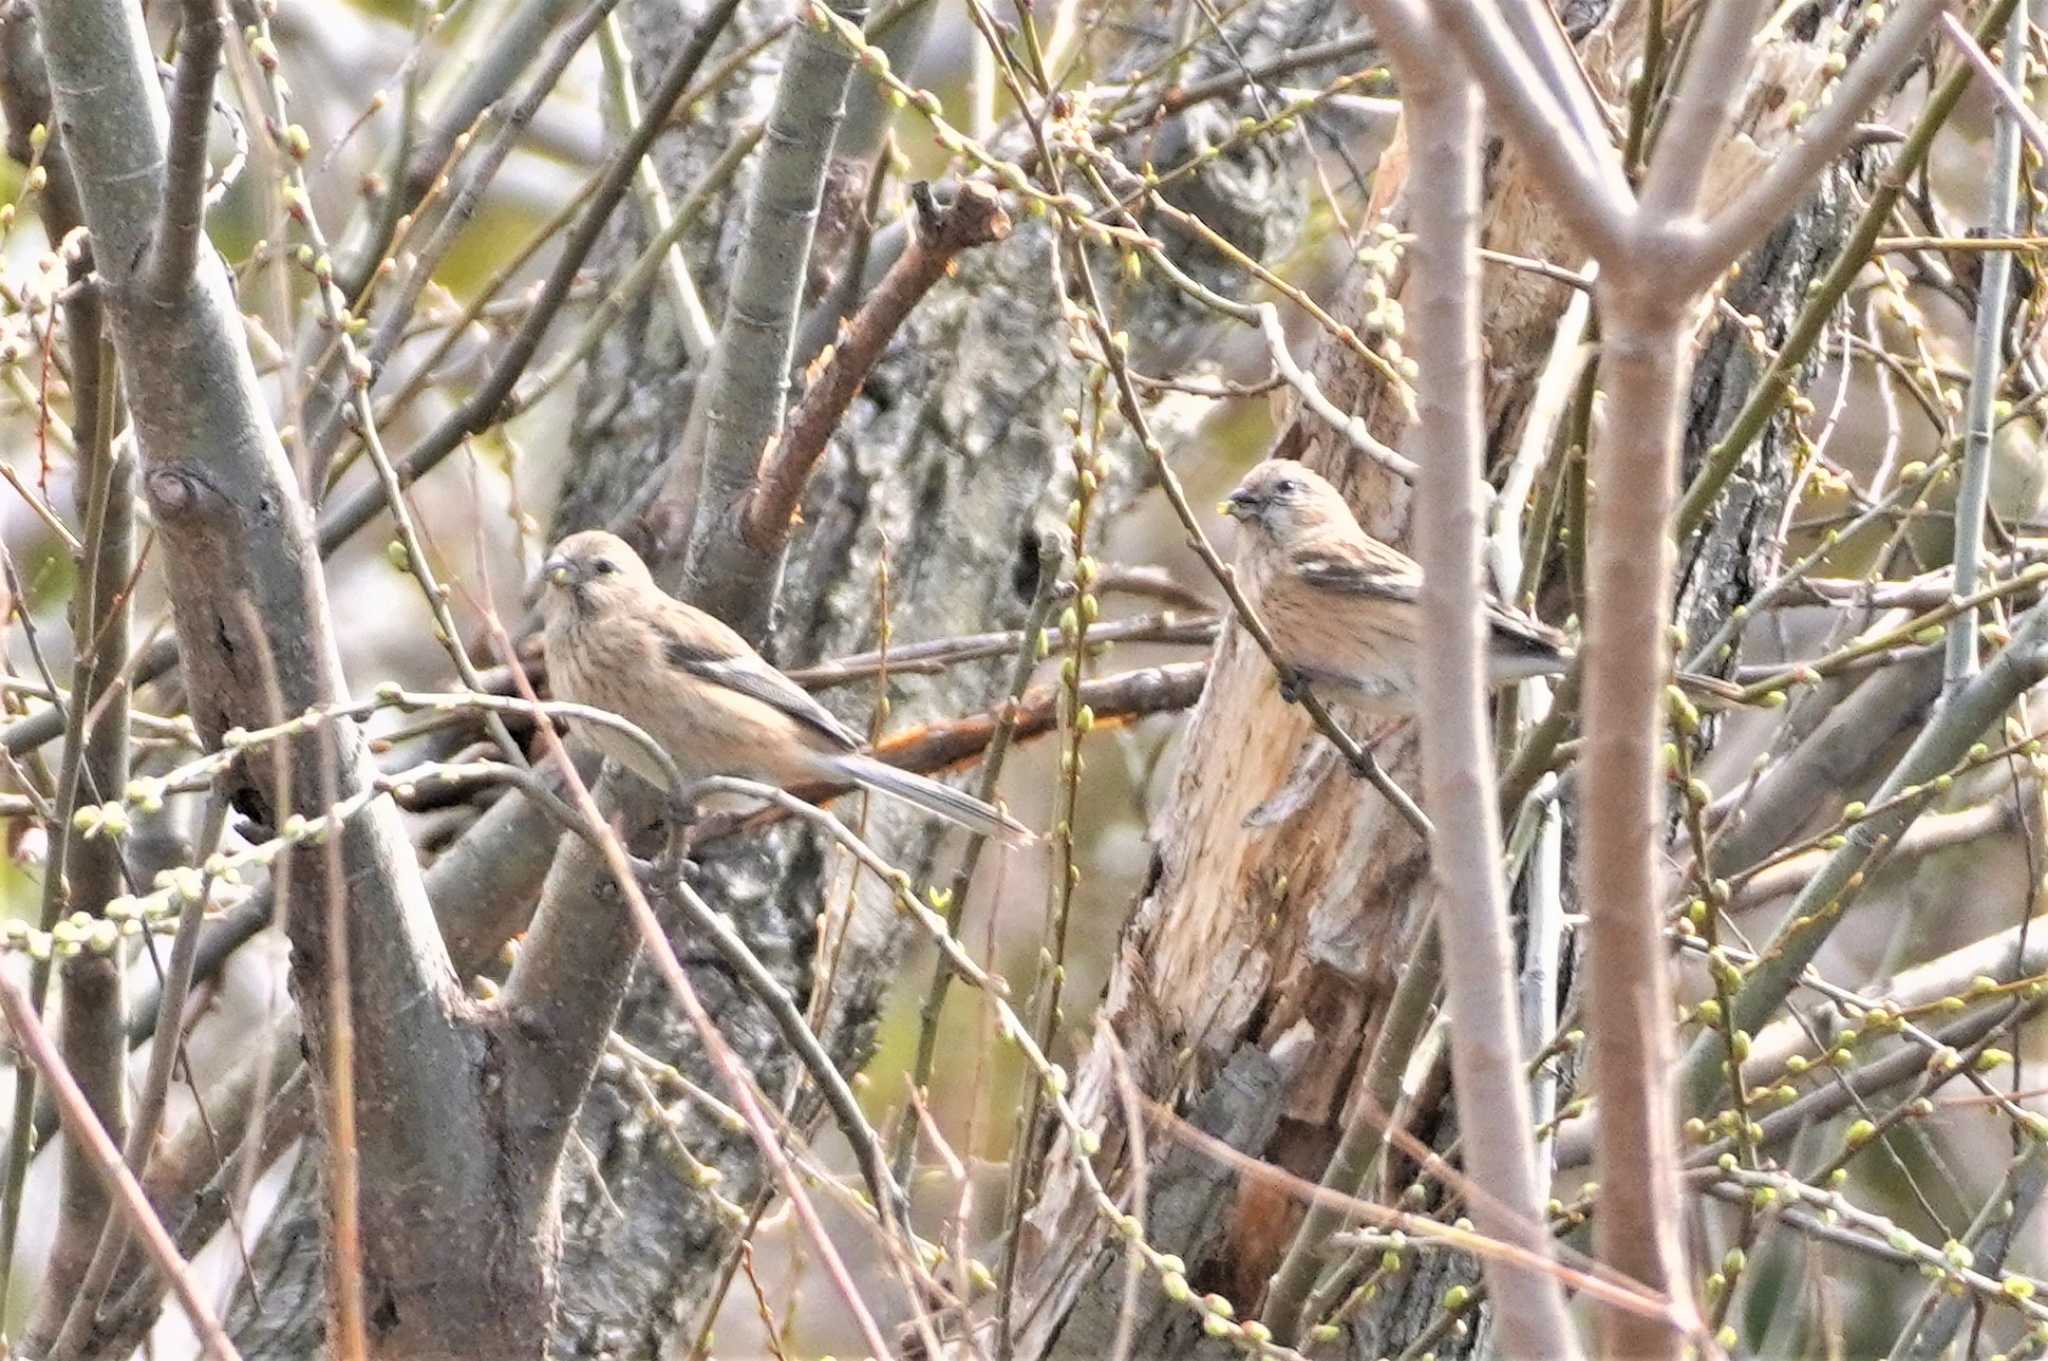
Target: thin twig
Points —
{"points": [[1988, 334]]}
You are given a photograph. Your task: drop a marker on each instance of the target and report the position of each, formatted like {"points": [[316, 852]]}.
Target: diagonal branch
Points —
{"points": [[741, 399], [1590, 192], [1700, 108], [125, 1191], [486, 404], [1790, 178], [974, 218], [1947, 738]]}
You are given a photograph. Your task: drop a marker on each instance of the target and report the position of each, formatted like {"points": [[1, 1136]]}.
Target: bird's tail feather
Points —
{"points": [[939, 799]]}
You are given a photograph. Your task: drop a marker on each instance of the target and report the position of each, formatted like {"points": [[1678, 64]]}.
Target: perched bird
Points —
{"points": [[617, 641], [1346, 610]]}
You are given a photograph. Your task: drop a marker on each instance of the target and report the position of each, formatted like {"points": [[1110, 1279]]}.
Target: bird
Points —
{"points": [[616, 641], [1345, 610]]}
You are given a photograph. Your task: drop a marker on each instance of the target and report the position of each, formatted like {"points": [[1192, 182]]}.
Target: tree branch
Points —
{"points": [[1947, 738], [974, 218], [1700, 108], [740, 401], [328, 393], [1457, 750], [255, 638], [90, 1023], [1590, 192], [418, 158], [122, 1188], [1987, 369], [1790, 176], [1643, 370], [483, 407], [184, 206]]}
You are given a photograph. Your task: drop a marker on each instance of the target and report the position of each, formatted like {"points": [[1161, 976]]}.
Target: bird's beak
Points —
{"points": [[1236, 505], [556, 572]]}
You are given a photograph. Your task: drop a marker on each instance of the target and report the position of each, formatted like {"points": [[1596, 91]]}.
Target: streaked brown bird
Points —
{"points": [[1346, 610], [616, 641]]}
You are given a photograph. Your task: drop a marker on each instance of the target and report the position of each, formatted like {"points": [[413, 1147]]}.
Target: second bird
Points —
{"points": [[1346, 610], [616, 641]]}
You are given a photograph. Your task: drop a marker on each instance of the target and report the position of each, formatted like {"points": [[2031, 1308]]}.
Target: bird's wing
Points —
{"points": [[1357, 567], [1370, 568], [1521, 635], [740, 669]]}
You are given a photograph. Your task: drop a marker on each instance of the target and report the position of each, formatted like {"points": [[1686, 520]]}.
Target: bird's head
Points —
{"points": [[1283, 498], [593, 572]]}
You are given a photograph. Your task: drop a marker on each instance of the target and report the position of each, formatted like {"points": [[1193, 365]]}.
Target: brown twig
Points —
{"points": [[1128, 695], [974, 218]]}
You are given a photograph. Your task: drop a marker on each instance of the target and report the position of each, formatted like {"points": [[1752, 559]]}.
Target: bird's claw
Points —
{"points": [[1291, 689]]}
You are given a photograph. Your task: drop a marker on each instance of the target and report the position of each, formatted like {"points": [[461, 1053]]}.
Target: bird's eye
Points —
{"points": [[604, 567], [1287, 486]]}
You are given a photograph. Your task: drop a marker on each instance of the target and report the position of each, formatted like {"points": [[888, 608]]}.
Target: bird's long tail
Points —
{"points": [[939, 799]]}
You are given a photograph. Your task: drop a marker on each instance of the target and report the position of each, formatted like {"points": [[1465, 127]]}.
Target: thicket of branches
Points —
{"points": [[356, 1009]]}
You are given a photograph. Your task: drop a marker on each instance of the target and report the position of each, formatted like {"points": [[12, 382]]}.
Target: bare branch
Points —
{"points": [[1815, 913], [1987, 347], [95, 765], [416, 161], [642, 923], [692, 322], [741, 397], [2010, 102], [184, 202], [1700, 108], [1790, 177], [147, 1123], [1589, 190], [484, 406], [974, 218], [329, 389], [1643, 371], [1457, 747]]}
